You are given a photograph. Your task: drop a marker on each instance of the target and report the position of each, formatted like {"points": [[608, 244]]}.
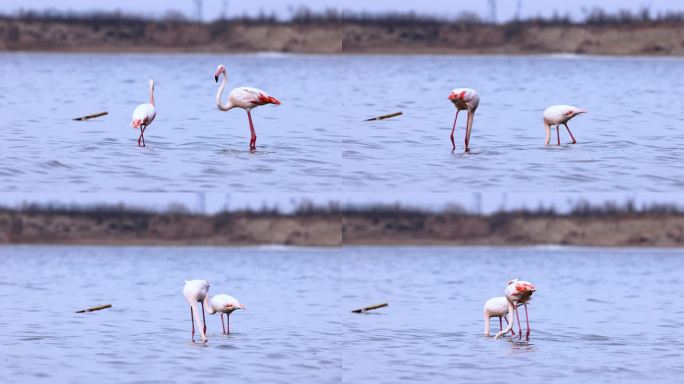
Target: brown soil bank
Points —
{"points": [[164, 36], [333, 229], [646, 39]]}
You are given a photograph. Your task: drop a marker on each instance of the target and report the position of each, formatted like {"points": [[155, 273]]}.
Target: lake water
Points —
{"points": [[289, 333], [191, 145], [598, 312], [316, 141], [631, 139]]}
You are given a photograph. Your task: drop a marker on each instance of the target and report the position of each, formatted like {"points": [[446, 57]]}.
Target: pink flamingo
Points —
{"points": [[518, 292], [144, 114], [557, 115], [197, 291], [496, 307], [468, 99], [242, 97], [223, 304]]}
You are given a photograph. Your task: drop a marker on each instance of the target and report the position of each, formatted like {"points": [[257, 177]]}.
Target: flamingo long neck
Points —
{"points": [[198, 319], [228, 105], [547, 127], [208, 306], [152, 95], [486, 320], [511, 308]]}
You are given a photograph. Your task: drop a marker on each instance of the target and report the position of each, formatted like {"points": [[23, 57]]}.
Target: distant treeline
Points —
{"points": [[303, 15]]}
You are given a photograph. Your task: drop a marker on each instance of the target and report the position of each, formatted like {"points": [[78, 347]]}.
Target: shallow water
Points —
{"points": [[191, 145], [612, 315], [630, 139], [289, 333]]}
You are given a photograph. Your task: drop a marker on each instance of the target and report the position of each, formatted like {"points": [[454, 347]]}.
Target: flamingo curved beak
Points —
{"points": [[216, 78]]}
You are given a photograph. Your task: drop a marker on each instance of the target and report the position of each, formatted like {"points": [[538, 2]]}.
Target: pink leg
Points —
{"points": [[204, 321], [500, 325], [573, 137], [223, 327], [252, 141], [527, 319], [558, 135], [192, 319], [517, 316], [453, 144]]}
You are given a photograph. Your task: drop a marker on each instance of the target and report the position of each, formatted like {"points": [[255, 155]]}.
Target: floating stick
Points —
{"points": [[387, 116], [370, 308], [95, 308], [87, 117]]}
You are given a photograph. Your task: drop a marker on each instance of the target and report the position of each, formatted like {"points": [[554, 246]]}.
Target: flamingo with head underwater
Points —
{"points": [[464, 99], [557, 115], [223, 303], [518, 293], [197, 291], [242, 97], [496, 307], [143, 115]]}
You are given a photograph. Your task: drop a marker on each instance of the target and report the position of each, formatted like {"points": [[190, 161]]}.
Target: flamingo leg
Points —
{"points": [[527, 319], [500, 325], [204, 321], [227, 323], [142, 136], [223, 327], [252, 141], [573, 137], [192, 319], [557, 135], [512, 331], [453, 144], [517, 316]]}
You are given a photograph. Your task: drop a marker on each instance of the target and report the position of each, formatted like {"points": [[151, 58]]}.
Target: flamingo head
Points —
{"points": [[235, 306], [221, 69], [576, 111]]}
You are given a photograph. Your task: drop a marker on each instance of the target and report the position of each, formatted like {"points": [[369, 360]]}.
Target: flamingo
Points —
{"points": [[197, 291], [518, 293], [557, 115], [224, 304], [468, 99], [496, 307], [144, 114], [242, 97]]}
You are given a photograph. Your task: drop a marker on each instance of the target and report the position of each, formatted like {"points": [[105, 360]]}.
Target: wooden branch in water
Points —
{"points": [[387, 116], [370, 308], [99, 307], [87, 117]]}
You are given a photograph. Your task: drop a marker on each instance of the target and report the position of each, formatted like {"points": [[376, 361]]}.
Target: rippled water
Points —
{"points": [[192, 146], [612, 315], [289, 333], [631, 139]]}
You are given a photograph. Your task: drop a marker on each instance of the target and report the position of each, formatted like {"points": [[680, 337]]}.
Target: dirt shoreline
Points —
{"points": [[645, 39], [334, 230]]}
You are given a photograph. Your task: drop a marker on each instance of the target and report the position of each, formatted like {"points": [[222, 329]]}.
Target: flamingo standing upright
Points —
{"points": [[242, 97], [496, 307], [223, 303], [144, 114], [557, 115], [197, 291], [468, 99], [518, 292]]}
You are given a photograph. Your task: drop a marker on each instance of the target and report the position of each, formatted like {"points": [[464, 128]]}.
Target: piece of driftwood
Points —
{"points": [[99, 307], [370, 308], [87, 117], [387, 116]]}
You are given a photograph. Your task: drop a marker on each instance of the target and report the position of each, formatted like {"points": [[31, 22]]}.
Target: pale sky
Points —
{"points": [[213, 8]]}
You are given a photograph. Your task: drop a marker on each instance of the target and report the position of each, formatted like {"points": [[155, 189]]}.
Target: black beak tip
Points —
{"points": [[216, 78]]}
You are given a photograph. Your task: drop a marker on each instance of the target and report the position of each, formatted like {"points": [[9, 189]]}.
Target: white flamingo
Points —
{"points": [[518, 292], [496, 307], [223, 303], [197, 291], [557, 115], [464, 99], [242, 97], [144, 114]]}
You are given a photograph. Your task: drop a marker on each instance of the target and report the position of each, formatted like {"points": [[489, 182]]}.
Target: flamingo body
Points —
{"points": [[560, 115], [495, 307], [246, 98], [197, 291], [223, 303], [464, 99], [143, 115]]}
